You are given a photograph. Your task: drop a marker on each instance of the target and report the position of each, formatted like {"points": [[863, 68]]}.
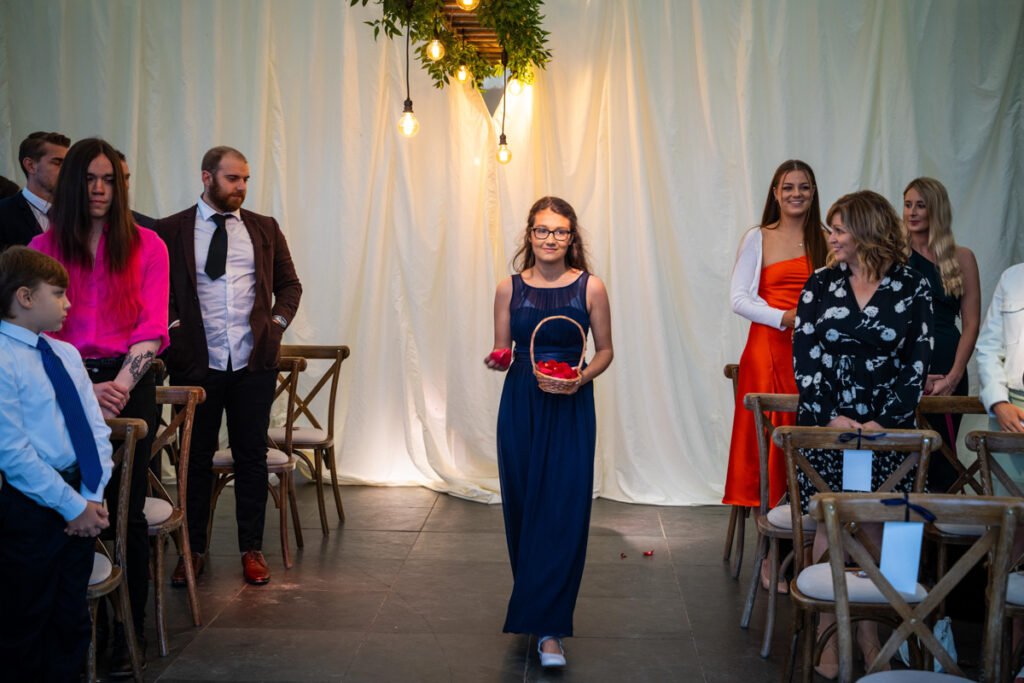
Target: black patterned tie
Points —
{"points": [[217, 256]]}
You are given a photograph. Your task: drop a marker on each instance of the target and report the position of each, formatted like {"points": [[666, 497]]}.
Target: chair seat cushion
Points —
{"points": [[157, 510], [816, 582], [223, 458], [101, 569], [906, 676], [301, 436], [961, 529], [1015, 589], [782, 517]]}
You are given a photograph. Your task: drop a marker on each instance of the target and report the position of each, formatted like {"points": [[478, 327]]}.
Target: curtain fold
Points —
{"points": [[660, 121]]}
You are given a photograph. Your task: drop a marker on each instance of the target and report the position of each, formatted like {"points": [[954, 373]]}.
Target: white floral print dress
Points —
{"points": [[865, 364]]}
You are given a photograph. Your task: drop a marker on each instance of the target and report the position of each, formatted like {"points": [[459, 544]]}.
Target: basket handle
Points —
{"points": [[583, 353]]}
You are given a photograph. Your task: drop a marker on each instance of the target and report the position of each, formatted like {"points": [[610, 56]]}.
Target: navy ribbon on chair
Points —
{"points": [[846, 437], [905, 500]]}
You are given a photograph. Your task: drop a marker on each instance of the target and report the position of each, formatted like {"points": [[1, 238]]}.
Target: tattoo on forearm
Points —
{"points": [[138, 364]]}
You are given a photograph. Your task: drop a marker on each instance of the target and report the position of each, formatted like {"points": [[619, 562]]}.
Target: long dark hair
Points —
{"points": [[815, 245], [71, 221], [575, 256]]}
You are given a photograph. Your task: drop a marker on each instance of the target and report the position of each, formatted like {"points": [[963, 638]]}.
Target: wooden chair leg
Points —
{"points": [[318, 478], [125, 608], [293, 503], [794, 645], [807, 650], [773, 597], [181, 538], [90, 662], [740, 534], [729, 532], [158, 592], [282, 506], [755, 579], [332, 465]]}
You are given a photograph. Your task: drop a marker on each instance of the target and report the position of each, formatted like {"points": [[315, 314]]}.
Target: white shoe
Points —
{"points": [[551, 660]]}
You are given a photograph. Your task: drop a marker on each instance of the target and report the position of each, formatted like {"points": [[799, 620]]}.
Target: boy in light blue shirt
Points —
{"points": [[55, 458]]}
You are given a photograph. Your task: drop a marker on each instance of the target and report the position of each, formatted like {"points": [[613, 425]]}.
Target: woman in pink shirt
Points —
{"points": [[119, 279]]}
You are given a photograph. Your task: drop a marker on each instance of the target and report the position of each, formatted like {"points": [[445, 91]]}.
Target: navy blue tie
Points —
{"points": [[70, 403]]}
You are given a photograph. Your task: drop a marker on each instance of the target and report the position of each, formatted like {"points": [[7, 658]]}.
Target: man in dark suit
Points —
{"points": [[233, 292], [140, 218], [24, 215]]}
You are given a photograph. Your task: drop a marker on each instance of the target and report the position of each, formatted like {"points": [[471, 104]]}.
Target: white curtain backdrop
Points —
{"points": [[661, 121]]}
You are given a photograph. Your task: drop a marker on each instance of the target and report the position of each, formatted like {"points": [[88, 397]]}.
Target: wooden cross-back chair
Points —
{"points": [[318, 436], [108, 577], [916, 447], [736, 531], [280, 461], [773, 520], [166, 514], [967, 475], [914, 615], [986, 445]]}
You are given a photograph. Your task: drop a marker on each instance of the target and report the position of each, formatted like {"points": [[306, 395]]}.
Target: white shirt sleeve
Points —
{"points": [[990, 350], [746, 278]]}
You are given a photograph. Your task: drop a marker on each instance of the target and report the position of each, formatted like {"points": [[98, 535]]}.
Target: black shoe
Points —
{"points": [[120, 659]]}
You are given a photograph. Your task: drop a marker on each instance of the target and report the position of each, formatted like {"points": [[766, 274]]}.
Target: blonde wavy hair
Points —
{"points": [[875, 227], [940, 232]]}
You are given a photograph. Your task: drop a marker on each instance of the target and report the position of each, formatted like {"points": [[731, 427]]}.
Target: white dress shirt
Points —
{"points": [[34, 441], [226, 303], [40, 208], [746, 280], [1000, 347]]}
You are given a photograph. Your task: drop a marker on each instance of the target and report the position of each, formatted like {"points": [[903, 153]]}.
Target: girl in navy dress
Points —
{"points": [[546, 441]]}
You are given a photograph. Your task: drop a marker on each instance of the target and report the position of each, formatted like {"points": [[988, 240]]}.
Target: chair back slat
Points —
{"points": [[1000, 516], [986, 444], [732, 373], [183, 402], [126, 433], [289, 368]]}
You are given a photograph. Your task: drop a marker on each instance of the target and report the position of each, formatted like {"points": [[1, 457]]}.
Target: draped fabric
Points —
{"points": [[661, 121]]}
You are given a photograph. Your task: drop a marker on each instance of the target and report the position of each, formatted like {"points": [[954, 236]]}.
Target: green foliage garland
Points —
{"points": [[517, 23]]}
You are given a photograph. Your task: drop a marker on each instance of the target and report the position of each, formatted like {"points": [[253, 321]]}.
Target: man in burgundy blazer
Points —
{"points": [[234, 290]]}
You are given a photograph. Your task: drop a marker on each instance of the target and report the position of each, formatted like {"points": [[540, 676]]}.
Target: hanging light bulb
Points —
{"points": [[435, 50], [515, 87], [504, 154], [462, 73], [468, 5], [408, 125]]}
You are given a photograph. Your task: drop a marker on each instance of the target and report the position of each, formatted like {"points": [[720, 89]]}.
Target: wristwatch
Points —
{"points": [[281, 320]]}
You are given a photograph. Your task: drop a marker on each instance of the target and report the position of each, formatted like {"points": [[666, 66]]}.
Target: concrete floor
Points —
{"points": [[414, 588]]}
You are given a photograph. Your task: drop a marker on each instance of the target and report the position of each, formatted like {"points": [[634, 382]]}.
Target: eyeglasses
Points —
{"points": [[542, 233]]}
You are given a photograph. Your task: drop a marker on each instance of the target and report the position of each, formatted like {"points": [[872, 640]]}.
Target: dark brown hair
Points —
{"points": [[34, 146], [815, 244], [71, 221], [575, 256], [24, 267], [211, 160], [875, 227]]}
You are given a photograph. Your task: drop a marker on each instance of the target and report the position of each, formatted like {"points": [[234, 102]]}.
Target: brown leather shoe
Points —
{"points": [[198, 564], [255, 568]]}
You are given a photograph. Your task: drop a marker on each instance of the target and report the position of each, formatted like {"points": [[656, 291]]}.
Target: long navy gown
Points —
{"points": [[546, 463]]}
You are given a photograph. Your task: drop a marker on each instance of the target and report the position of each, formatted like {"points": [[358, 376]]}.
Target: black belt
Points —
{"points": [[71, 476], [104, 363]]}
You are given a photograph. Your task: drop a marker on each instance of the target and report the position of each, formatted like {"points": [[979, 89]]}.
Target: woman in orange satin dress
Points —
{"points": [[774, 261]]}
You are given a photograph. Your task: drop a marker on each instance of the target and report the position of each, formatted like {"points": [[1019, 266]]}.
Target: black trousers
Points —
{"points": [[44, 617], [246, 398], [141, 404]]}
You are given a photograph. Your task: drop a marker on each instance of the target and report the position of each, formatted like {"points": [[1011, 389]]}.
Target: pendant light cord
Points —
{"points": [[408, 30], [504, 83]]}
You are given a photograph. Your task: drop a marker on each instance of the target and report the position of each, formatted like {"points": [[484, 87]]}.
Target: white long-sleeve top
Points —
{"points": [[1000, 347], [746, 278]]}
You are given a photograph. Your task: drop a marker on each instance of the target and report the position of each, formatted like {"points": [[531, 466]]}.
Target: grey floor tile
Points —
{"points": [[617, 659], [270, 607], [478, 547]]}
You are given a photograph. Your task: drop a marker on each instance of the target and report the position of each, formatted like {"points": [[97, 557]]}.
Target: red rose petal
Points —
{"points": [[622, 556], [648, 553]]}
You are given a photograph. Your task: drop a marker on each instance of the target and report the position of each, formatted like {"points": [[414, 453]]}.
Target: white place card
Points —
{"points": [[856, 470], [901, 554]]}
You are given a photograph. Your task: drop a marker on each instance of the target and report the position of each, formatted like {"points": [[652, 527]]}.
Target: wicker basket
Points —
{"points": [[557, 385]]}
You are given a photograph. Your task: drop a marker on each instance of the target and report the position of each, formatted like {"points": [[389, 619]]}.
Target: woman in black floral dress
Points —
{"points": [[862, 342]]}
